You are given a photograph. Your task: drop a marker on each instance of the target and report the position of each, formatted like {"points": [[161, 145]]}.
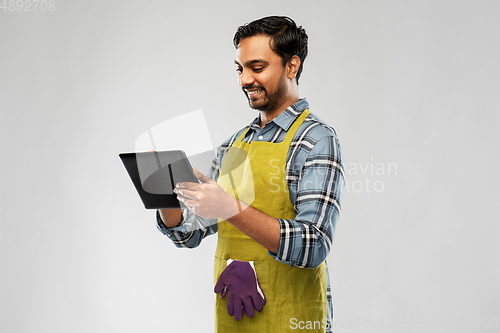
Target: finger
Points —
{"points": [[185, 193], [186, 201], [238, 308], [230, 304], [248, 306], [188, 185], [219, 286], [201, 177], [257, 302], [189, 204]]}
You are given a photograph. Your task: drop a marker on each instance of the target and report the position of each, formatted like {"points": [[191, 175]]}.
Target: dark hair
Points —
{"points": [[286, 39]]}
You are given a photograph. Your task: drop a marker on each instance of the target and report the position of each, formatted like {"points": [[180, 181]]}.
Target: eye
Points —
{"points": [[239, 70], [258, 69]]}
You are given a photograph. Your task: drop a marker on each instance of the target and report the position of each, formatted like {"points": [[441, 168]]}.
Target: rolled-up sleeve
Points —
{"points": [[190, 231], [306, 240]]}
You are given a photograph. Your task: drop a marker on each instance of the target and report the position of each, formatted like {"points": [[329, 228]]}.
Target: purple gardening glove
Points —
{"points": [[239, 281]]}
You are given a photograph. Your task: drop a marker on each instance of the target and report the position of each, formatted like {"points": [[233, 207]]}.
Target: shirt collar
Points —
{"points": [[286, 118]]}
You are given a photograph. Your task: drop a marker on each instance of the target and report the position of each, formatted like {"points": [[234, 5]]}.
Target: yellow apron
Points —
{"points": [[293, 294]]}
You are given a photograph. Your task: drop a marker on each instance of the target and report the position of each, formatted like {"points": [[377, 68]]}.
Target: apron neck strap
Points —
{"points": [[295, 126], [237, 141]]}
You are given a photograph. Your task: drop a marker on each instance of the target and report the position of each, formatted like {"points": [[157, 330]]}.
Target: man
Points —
{"points": [[277, 207]]}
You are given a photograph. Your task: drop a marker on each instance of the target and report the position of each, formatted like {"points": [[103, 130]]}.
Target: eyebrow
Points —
{"points": [[252, 62]]}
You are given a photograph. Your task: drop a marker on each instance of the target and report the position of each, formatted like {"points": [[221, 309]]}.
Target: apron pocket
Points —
{"points": [[258, 323]]}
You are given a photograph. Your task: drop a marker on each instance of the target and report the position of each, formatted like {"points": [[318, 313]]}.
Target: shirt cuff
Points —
{"points": [[170, 232], [290, 243]]}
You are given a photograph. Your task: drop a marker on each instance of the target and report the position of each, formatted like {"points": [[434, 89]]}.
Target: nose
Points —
{"points": [[245, 78]]}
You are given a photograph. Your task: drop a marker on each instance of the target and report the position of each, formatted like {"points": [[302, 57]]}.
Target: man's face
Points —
{"points": [[261, 74]]}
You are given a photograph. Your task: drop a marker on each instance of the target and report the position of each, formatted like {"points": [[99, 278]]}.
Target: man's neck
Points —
{"points": [[267, 116]]}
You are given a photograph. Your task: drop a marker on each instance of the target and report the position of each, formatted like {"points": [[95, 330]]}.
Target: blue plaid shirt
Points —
{"points": [[315, 178]]}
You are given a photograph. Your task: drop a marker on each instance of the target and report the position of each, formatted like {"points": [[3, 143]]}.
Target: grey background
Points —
{"points": [[413, 83]]}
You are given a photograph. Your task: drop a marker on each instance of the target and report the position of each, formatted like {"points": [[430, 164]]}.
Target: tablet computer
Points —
{"points": [[154, 175]]}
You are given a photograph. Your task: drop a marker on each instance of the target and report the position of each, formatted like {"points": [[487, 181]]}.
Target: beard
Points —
{"points": [[268, 102]]}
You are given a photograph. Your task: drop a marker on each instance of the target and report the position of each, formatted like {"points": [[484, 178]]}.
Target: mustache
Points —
{"points": [[252, 87]]}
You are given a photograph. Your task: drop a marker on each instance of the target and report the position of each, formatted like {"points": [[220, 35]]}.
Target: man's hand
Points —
{"points": [[207, 199], [210, 201]]}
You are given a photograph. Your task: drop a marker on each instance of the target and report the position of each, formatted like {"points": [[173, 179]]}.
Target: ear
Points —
{"points": [[293, 67]]}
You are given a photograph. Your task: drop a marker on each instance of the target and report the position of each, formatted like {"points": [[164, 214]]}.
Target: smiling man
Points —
{"points": [[264, 78], [272, 244]]}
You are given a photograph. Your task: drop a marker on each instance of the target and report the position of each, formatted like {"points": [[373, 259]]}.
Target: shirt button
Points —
{"points": [[260, 137]]}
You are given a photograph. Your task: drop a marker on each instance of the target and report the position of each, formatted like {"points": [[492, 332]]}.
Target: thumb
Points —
{"points": [[201, 177], [221, 281], [219, 286]]}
